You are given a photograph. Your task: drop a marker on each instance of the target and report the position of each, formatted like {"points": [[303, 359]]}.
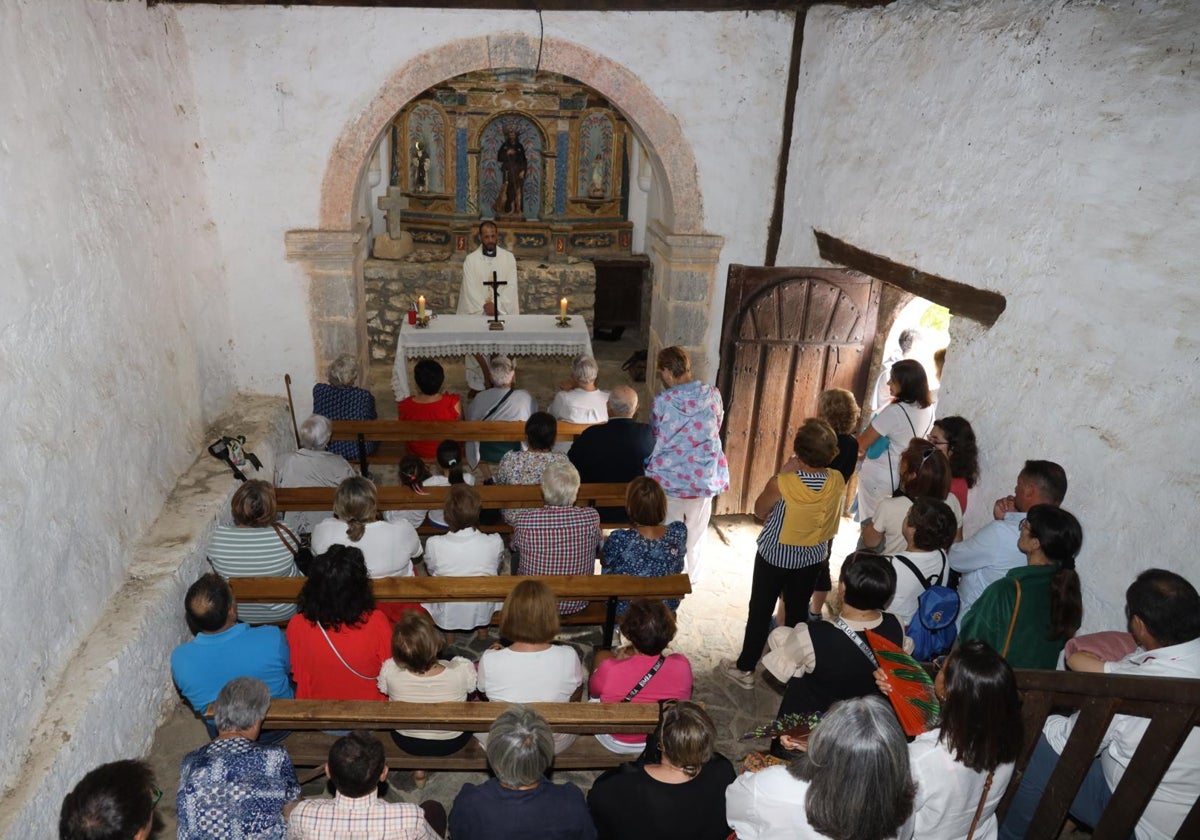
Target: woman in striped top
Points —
{"points": [[801, 506], [251, 547]]}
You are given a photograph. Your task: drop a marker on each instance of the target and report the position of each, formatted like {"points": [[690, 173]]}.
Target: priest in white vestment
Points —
{"points": [[476, 299]]}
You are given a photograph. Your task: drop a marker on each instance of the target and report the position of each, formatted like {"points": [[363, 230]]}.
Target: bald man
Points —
{"points": [[616, 450]]}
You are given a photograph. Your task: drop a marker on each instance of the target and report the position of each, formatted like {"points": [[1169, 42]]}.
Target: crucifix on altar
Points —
{"points": [[495, 323]]}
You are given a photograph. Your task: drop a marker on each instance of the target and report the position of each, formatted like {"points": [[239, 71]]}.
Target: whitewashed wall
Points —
{"points": [[112, 349], [277, 86], [1046, 151]]}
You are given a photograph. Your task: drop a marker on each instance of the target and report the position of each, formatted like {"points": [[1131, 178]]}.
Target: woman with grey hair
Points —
{"points": [[520, 802], [558, 539], [232, 786], [578, 399], [854, 781], [342, 399], [311, 466], [499, 402]]}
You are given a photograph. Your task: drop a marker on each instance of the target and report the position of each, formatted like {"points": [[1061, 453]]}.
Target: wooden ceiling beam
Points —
{"points": [[548, 5]]}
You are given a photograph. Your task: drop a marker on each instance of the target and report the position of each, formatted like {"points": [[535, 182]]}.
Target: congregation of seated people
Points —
{"points": [[1017, 604]]}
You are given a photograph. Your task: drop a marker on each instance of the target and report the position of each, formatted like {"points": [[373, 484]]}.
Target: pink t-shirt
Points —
{"points": [[613, 679]]}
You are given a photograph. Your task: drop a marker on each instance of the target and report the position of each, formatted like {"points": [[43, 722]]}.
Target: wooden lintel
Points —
{"points": [[967, 301], [548, 5]]}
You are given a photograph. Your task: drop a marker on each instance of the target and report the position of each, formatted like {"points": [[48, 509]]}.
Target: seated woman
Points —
{"points": [[453, 471], [414, 674], [338, 639], [955, 437], [579, 400], [963, 767], [855, 781], [342, 399], [527, 465], [520, 802], [234, 786], [531, 669], [928, 531], [558, 539], [463, 552], [387, 547], [682, 797], [1030, 613], [801, 508], [429, 404], [649, 548], [640, 672], [823, 662], [924, 471], [251, 547]]}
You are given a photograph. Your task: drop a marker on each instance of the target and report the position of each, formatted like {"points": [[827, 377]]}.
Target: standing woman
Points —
{"points": [[1029, 614], [687, 461], [955, 437], [802, 506], [909, 415]]}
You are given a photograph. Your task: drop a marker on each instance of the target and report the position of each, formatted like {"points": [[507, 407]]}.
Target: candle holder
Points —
{"points": [[563, 320], [423, 321]]}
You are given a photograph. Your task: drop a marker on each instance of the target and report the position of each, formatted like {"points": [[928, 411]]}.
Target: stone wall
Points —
{"points": [[392, 285]]}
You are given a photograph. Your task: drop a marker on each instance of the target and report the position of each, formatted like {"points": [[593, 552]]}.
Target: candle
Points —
{"points": [[421, 306], [562, 308]]}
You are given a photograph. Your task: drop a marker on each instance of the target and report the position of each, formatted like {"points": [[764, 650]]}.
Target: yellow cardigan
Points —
{"points": [[810, 517]]}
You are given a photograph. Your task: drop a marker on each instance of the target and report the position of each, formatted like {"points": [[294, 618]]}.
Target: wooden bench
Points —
{"points": [[311, 749], [1173, 706], [603, 592], [391, 435], [492, 496]]}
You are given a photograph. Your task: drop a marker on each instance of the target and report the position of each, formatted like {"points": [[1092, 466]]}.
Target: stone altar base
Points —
{"points": [[392, 286]]}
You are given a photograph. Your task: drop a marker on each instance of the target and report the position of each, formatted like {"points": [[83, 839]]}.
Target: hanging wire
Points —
{"points": [[541, 39]]}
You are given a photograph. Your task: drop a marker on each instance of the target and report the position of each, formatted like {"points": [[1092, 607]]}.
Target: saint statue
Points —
{"points": [[596, 189], [511, 156], [420, 168]]}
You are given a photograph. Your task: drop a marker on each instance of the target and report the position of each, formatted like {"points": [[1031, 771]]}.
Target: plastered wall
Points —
{"points": [[113, 349], [276, 87], [1047, 151]]}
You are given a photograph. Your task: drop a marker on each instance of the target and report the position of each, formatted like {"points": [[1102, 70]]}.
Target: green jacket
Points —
{"points": [[989, 618]]}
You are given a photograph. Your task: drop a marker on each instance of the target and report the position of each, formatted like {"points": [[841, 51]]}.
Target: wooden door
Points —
{"points": [[787, 334]]}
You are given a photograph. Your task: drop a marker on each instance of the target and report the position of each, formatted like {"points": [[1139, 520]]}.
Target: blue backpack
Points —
{"points": [[932, 628]]}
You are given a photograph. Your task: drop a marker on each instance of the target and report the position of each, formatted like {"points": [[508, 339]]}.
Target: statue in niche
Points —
{"points": [[596, 188], [513, 165], [420, 168]]}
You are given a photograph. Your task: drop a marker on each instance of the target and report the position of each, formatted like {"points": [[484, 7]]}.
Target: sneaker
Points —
{"points": [[744, 679]]}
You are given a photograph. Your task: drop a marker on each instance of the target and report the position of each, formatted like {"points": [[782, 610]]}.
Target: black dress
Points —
{"points": [[841, 672], [628, 803]]}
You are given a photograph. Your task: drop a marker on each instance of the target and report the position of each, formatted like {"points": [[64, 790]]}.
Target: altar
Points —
{"points": [[453, 336]]}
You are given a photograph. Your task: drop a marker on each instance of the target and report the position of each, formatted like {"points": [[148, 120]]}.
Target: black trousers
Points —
{"points": [[796, 586]]}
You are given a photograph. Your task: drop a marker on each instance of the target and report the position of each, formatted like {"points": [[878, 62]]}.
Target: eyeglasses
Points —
{"points": [[157, 795], [939, 443]]}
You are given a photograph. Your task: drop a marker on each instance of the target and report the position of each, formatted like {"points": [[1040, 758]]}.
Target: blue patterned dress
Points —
{"points": [[626, 552], [344, 402], [235, 789]]}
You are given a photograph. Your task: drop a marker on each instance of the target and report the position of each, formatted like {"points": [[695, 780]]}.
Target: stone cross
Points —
{"points": [[393, 203]]}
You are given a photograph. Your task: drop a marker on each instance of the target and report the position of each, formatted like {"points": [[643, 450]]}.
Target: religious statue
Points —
{"points": [[420, 168], [596, 189], [511, 156]]}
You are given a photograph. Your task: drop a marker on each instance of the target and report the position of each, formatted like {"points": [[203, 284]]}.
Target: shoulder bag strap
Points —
{"points": [[987, 785], [281, 530], [321, 627], [496, 407], [1013, 621], [633, 692], [912, 567], [858, 642]]}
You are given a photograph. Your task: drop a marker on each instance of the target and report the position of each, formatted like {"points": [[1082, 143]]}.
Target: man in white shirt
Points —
{"points": [[311, 466], [1163, 611], [992, 550], [476, 299]]}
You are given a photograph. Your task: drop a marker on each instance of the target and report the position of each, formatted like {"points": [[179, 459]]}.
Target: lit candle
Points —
{"points": [[421, 306], [562, 308]]}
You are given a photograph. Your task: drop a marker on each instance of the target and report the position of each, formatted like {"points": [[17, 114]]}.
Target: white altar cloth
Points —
{"points": [[448, 336]]}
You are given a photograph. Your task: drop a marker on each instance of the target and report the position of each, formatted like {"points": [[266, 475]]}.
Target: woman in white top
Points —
{"points": [[464, 552], [387, 547], [928, 531], [908, 416], [531, 669], [414, 674], [853, 781], [579, 400], [969, 758], [924, 471]]}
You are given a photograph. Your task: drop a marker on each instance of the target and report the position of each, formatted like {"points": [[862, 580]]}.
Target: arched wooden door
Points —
{"points": [[787, 334]]}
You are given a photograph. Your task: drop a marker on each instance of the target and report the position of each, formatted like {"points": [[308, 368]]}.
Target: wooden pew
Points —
{"points": [[493, 496], [391, 435], [1173, 706], [601, 591], [311, 749]]}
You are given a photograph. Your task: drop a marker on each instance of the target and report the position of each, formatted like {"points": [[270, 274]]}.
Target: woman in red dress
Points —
{"points": [[430, 404]]}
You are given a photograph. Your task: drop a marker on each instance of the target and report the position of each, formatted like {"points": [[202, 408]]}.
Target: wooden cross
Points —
{"points": [[496, 323]]}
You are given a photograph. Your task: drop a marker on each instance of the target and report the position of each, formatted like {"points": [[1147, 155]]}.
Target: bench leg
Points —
{"points": [[362, 457], [610, 621]]}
